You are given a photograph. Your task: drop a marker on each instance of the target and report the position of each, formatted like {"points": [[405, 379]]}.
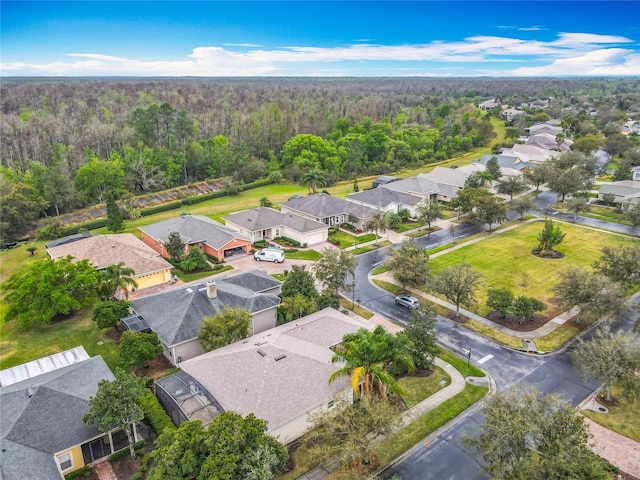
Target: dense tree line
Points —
{"points": [[71, 143]]}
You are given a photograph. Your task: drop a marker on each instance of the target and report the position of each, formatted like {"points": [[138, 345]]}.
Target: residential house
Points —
{"points": [[267, 223], [41, 408], [386, 199], [549, 141], [176, 315], [149, 267], [532, 154], [508, 114], [280, 376], [544, 127], [625, 191], [418, 185], [488, 104], [329, 210], [507, 161], [197, 230], [449, 180], [383, 180]]}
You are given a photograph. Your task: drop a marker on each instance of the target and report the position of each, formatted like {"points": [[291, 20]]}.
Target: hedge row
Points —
{"points": [[102, 222], [80, 473], [155, 414]]}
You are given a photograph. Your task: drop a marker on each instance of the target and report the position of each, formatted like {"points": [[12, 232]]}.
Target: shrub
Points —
{"points": [[138, 446], [260, 243], [137, 476], [83, 472], [50, 231], [155, 414], [290, 250], [287, 241]]}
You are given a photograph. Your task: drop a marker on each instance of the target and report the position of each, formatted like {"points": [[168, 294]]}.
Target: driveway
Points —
{"points": [[246, 262]]}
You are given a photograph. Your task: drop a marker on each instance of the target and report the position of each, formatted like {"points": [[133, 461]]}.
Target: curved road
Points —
{"points": [[444, 457]]}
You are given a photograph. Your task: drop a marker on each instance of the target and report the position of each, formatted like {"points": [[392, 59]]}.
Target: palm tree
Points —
{"points": [[314, 178], [116, 276], [367, 356], [379, 222]]}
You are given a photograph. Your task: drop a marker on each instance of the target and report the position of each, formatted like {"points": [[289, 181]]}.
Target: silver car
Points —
{"points": [[407, 301]]}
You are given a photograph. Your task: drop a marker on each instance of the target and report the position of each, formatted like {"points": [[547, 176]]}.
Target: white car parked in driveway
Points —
{"points": [[269, 255]]}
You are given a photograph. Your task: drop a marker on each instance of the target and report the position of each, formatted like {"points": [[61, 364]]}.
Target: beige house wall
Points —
{"points": [[153, 279], [296, 427], [263, 321]]}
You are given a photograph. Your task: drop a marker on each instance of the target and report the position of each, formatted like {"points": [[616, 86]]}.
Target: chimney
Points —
{"points": [[212, 291]]}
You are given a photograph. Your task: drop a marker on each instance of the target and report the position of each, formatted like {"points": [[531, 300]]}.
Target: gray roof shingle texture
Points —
{"points": [[193, 229], [383, 197], [322, 205], [176, 315]]}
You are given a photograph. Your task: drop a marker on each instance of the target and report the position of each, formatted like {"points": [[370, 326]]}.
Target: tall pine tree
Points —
{"points": [[115, 222]]}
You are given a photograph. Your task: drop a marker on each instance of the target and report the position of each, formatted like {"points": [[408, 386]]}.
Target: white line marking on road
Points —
{"points": [[484, 359]]}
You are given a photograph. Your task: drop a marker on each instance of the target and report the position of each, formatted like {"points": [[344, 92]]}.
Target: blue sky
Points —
{"points": [[416, 38]]}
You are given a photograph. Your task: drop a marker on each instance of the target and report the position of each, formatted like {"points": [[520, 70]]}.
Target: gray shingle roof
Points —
{"points": [[262, 218], [418, 185], [255, 280], [278, 391], [176, 315], [383, 197], [505, 161], [322, 205], [193, 229], [42, 415]]}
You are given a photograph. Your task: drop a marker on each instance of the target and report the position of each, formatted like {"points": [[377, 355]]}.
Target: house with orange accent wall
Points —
{"points": [[211, 237]]}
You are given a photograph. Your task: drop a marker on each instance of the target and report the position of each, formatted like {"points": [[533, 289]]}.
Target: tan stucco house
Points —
{"points": [[149, 267], [280, 375], [211, 237], [266, 223]]}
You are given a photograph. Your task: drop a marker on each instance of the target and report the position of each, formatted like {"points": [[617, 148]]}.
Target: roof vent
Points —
{"points": [[280, 357], [30, 392], [262, 353]]}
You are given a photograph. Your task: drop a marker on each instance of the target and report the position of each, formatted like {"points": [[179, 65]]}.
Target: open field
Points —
{"points": [[505, 260]]}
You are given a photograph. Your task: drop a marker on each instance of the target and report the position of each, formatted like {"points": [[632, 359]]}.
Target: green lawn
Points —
{"points": [[623, 418], [304, 255], [505, 260], [348, 240], [405, 227], [20, 346], [370, 247], [417, 389]]}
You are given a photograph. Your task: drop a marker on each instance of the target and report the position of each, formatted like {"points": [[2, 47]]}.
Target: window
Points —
{"points": [[65, 460], [330, 405]]}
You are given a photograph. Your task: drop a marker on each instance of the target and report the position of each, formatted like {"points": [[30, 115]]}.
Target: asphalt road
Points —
{"points": [[443, 457]]}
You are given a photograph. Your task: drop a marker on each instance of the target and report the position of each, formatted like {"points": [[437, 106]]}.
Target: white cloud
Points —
{"points": [[569, 54], [603, 62]]}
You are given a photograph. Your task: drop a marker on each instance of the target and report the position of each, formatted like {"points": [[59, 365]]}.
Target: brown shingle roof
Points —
{"points": [[105, 250], [246, 381]]}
